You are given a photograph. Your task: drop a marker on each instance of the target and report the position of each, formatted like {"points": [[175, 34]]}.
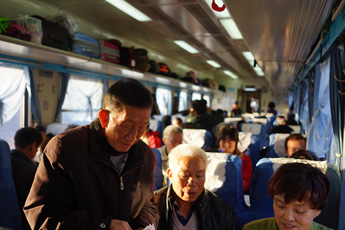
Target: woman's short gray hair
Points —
{"points": [[185, 150]]}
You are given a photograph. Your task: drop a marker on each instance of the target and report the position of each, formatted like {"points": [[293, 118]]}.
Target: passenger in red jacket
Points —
{"points": [[227, 143], [151, 138]]}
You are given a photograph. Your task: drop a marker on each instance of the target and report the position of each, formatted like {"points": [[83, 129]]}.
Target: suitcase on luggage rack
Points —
{"points": [[54, 35], [85, 45], [141, 60], [126, 57], [109, 51]]}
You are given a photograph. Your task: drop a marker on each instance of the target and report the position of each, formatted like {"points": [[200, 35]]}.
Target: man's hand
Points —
{"points": [[119, 225]]}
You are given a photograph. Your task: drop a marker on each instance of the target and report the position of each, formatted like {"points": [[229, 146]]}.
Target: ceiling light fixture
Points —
{"points": [[231, 28], [230, 74], [213, 63], [184, 45], [130, 10]]}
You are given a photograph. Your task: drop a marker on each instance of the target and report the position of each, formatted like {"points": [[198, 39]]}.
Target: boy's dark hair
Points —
{"points": [[127, 91], [26, 136]]}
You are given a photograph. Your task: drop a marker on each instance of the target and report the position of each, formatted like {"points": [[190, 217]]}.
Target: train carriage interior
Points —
{"points": [[246, 53]]}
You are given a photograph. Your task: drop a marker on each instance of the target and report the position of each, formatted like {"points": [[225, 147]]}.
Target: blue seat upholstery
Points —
{"points": [[224, 178], [276, 145], [158, 184], [253, 149], [9, 208]]}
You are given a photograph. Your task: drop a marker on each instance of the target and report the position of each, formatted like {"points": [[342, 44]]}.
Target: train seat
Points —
{"points": [[296, 128], [158, 126], [224, 178], [199, 137], [261, 204], [158, 183], [250, 144], [276, 143], [9, 208], [257, 129]]}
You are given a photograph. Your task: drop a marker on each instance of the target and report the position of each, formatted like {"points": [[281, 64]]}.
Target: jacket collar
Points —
{"points": [[100, 148]]}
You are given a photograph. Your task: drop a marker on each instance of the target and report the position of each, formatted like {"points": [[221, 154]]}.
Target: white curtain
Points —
{"points": [[83, 100], [321, 132], [12, 89]]}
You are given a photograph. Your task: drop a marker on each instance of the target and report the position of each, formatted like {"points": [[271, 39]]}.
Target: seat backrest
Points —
{"points": [[296, 128], [261, 204], [199, 137], [158, 184], [250, 145], [9, 207], [224, 178], [276, 145]]}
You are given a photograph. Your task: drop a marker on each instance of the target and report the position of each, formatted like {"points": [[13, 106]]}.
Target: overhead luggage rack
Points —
{"points": [[34, 55]]}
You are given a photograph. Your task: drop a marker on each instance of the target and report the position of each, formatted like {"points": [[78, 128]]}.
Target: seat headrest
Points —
{"points": [[277, 162], [194, 137], [251, 128], [244, 141]]}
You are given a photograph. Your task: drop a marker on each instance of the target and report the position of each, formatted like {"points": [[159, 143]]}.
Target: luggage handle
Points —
{"points": [[111, 57], [89, 51]]}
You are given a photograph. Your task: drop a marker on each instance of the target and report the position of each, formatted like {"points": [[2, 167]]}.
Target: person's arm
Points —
{"points": [[149, 214], [51, 203]]}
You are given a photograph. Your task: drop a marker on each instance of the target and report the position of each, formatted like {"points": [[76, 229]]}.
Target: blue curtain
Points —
{"points": [[304, 114], [310, 84], [321, 134], [337, 93], [64, 84], [35, 103]]}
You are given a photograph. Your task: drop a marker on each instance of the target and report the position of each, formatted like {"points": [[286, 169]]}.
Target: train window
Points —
{"points": [[83, 100], [207, 98], [183, 102], [12, 94], [196, 96], [164, 100]]}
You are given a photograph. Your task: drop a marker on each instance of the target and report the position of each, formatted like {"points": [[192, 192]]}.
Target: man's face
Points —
{"points": [[294, 145], [123, 129], [173, 140], [188, 179]]}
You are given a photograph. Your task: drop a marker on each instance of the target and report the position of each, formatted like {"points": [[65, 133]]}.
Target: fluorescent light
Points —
{"points": [[213, 63], [231, 28], [223, 14], [259, 71], [248, 55], [130, 10], [184, 45], [230, 74], [250, 89]]}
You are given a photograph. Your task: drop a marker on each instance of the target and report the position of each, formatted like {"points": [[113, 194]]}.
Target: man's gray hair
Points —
{"points": [[171, 129], [185, 150]]}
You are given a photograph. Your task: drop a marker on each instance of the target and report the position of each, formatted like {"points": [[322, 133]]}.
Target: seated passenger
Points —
{"points": [[201, 118], [177, 122], [26, 142], [227, 141], [172, 137], [151, 138], [303, 154], [299, 192], [186, 204], [281, 126], [293, 143]]}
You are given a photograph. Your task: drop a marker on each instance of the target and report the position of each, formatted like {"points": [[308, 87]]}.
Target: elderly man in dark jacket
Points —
{"points": [[99, 176], [186, 204]]}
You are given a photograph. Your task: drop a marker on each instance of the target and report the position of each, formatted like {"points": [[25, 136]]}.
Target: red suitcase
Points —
{"points": [[109, 51]]}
